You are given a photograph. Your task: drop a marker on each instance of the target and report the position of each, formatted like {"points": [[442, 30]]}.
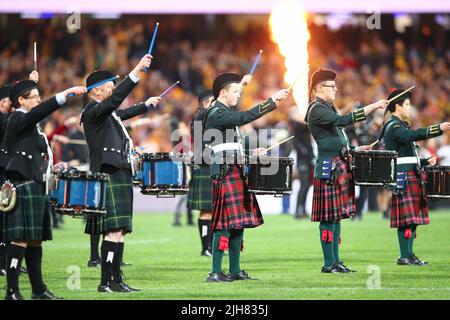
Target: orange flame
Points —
{"points": [[289, 29]]}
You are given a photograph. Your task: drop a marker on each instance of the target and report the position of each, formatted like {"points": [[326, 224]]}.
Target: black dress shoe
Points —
{"points": [[112, 286], [126, 286], [218, 277], [206, 253], [46, 295], [13, 295], [331, 269], [343, 268], [94, 263], [415, 260], [23, 270], [404, 261], [104, 288], [240, 276]]}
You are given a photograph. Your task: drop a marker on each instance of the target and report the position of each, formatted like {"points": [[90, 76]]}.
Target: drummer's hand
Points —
{"points": [[432, 160], [246, 80], [34, 76], [363, 148], [61, 166], [259, 151], [445, 126]]}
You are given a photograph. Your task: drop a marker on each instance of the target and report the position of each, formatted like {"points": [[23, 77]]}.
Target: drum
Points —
{"points": [[163, 174], [80, 193], [374, 167], [438, 182], [269, 175]]}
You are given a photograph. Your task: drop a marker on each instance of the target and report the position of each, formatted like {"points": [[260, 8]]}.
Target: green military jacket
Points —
{"points": [[327, 128], [221, 117], [399, 137]]}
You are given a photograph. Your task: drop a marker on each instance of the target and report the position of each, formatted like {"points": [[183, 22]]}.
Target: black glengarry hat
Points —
{"points": [[20, 88], [222, 80], [99, 76]]}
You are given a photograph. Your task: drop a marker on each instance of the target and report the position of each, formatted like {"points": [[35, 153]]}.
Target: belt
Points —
{"points": [[407, 160], [226, 146]]}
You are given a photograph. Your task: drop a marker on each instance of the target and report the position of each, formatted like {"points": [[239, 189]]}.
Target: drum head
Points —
{"points": [[376, 153]]}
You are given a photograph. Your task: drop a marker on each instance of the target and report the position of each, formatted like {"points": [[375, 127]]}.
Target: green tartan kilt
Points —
{"points": [[119, 206], [200, 189], [31, 218]]}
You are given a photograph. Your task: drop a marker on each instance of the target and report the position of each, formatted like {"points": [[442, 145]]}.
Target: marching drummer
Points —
{"points": [[333, 197], [409, 203], [234, 207], [27, 222], [110, 147], [200, 190]]}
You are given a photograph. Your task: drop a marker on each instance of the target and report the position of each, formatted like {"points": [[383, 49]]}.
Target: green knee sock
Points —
{"points": [[411, 241], [217, 255], [236, 238], [403, 242], [326, 240], [336, 237]]}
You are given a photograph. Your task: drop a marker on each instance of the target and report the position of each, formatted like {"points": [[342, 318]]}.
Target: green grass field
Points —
{"points": [[284, 254]]}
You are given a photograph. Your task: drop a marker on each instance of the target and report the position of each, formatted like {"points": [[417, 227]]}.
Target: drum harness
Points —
{"points": [[228, 146], [405, 160]]}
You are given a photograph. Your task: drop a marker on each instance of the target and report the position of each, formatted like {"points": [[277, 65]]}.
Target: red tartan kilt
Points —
{"points": [[234, 207], [334, 202], [411, 207]]}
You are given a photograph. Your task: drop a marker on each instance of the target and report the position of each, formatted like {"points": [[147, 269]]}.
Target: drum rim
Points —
{"points": [[89, 175], [437, 168], [287, 160], [367, 152]]}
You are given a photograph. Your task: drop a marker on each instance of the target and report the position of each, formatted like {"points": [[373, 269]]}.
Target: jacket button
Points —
{"points": [[112, 149], [105, 149], [23, 153], [118, 151], [30, 156]]}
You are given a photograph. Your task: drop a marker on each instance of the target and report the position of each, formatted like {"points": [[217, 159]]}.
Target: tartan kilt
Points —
{"points": [[31, 218], [200, 189], [234, 207], [410, 207], [119, 206], [334, 202]]}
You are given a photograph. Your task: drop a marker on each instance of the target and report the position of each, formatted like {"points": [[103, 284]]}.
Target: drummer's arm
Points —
{"points": [[321, 115], [405, 135], [128, 113], [227, 118], [107, 106]]}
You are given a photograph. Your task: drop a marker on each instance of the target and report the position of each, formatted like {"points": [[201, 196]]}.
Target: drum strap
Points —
{"points": [[125, 132], [48, 170]]}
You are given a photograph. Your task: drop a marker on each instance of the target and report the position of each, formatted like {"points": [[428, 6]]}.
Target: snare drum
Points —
{"points": [[80, 193], [438, 182], [270, 175], [163, 174], [374, 167]]}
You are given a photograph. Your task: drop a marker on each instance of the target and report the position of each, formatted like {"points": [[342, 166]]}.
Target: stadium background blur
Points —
{"points": [[195, 48]]}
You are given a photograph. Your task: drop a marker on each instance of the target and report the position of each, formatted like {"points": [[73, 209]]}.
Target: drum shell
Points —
{"points": [[374, 167], [270, 175], [163, 173], [437, 182], [80, 193]]}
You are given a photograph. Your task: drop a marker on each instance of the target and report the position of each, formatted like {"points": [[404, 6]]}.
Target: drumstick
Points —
{"points": [[35, 57], [400, 94], [374, 143], [298, 78], [281, 142], [75, 141]]}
